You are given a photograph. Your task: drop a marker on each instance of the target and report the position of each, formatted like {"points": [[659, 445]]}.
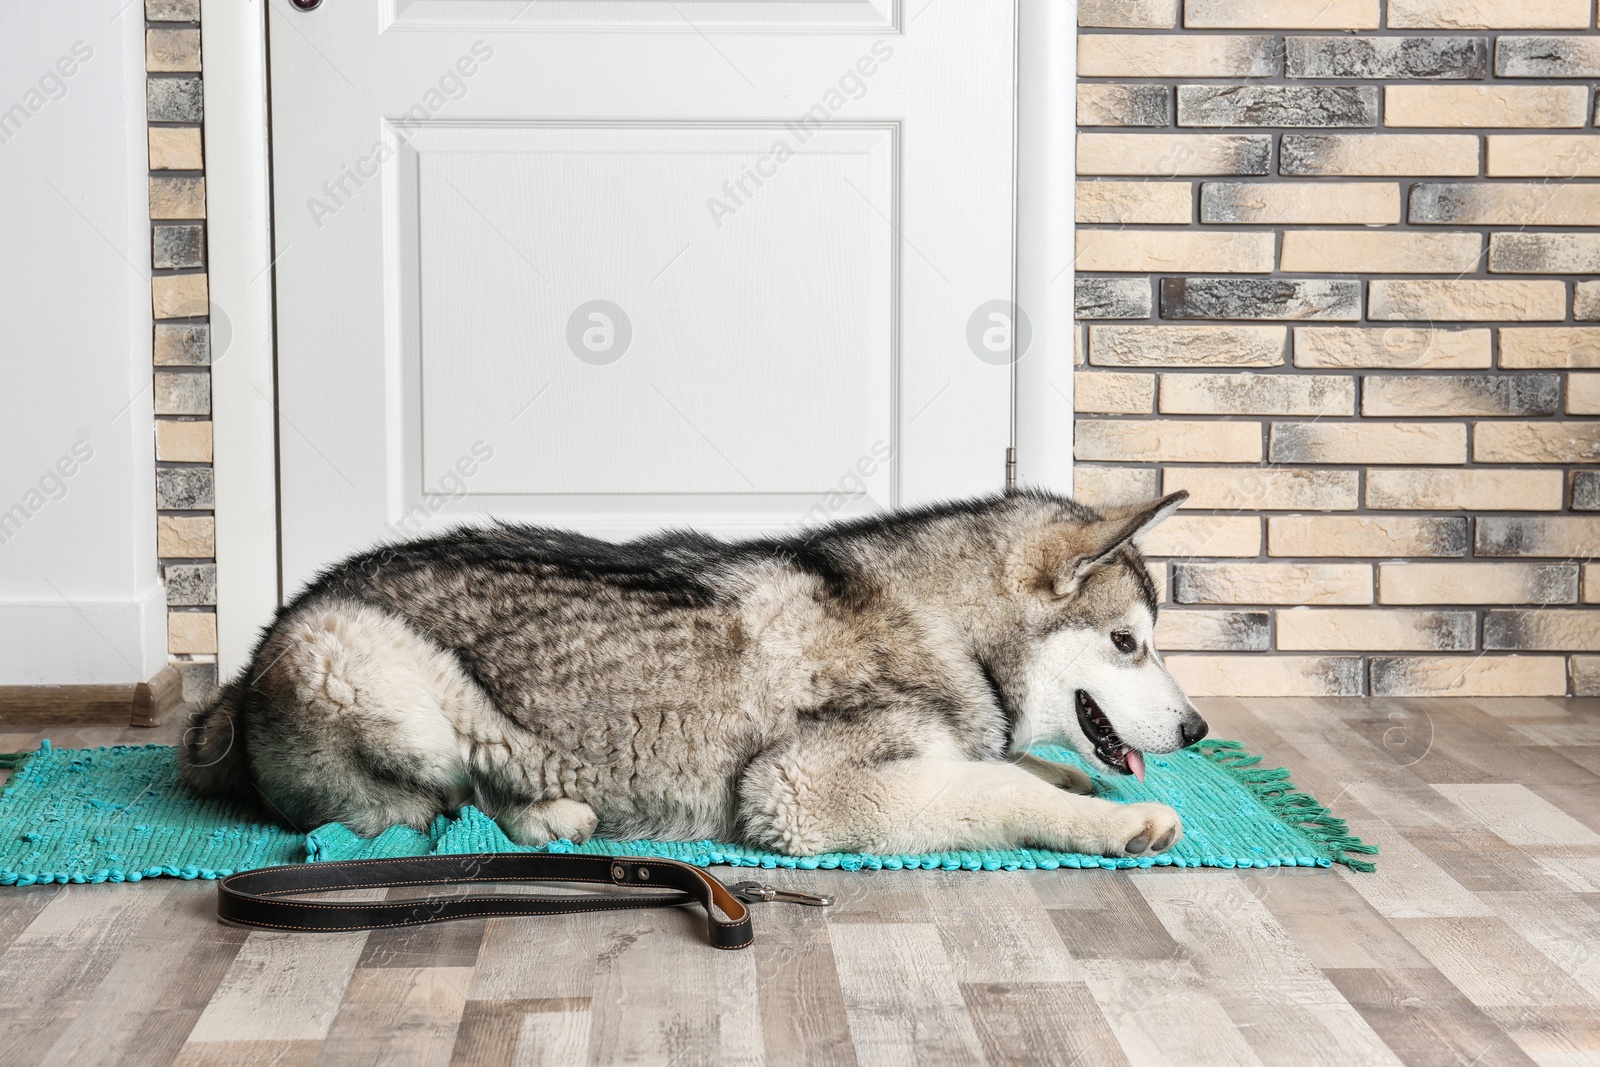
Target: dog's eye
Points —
{"points": [[1124, 642]]}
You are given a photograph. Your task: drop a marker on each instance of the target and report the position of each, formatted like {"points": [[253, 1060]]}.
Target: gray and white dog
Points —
{"points": [[870, 686]]}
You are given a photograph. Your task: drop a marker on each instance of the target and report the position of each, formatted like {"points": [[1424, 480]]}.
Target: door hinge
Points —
{"points": [[1011, 469]]}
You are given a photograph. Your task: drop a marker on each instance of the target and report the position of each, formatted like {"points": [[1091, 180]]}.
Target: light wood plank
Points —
{"points": [[1491, 964], [553, 1039], [1518, 815], [281, 987], [1041, 1022], [1285, 1007], [1163, 1012], [902, 1001], [397, 1015], [994, 929]]}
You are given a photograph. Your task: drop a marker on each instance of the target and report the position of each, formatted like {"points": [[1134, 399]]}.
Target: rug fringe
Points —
{"points": [[1273, 787]]}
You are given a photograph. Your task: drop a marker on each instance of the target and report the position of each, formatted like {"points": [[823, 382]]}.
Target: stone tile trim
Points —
{"points": [[1358, 240], [180, 302]]}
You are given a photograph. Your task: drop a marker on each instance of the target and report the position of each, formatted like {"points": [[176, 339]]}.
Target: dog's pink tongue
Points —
{"points": [[1136, 763]]}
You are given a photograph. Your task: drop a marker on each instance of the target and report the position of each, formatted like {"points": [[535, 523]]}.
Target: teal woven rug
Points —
{"points": [[122, 814]]}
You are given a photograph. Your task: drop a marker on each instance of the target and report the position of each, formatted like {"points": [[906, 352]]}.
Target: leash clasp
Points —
{"points": [[757, 892]]}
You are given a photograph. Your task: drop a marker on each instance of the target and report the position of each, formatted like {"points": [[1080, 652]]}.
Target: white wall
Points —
{"points": [[80, 599]]}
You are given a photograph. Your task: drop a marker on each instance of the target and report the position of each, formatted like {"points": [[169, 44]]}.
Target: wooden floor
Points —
{"points": [[1476, 943]]}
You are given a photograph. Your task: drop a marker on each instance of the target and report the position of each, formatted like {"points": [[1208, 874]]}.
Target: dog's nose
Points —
{"points": [[1193, 728]]}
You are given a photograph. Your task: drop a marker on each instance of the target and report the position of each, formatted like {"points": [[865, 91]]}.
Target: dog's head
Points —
{"points": [[1090, 676]]}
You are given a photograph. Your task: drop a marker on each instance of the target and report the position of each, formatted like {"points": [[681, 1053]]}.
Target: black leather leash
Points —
{"points": [[255, 898]]}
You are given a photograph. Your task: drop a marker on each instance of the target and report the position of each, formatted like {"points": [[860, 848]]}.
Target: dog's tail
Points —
{"points": [[212, 753]]}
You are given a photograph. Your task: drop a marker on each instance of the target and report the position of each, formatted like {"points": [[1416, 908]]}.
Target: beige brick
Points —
{"points": [[1586, 676], [176, 148], [171, 50], [1536, 442], [1212, 631], [1543, 155], [186, 536], [1377, 442], [1355, 252], [1357, 629], [1591, 583], [1150, 440], [177, 198], [1273, 583], [1398, 346], [1110, 393], [1478, 106], [1466, 300], [1241, 488], [1106, 486], [1469, 676], [1117, 55], [1366, 535], [1544, 253], [1550, 346], [1586, 301], [1281, 14], [191, 632], [1559, 535], [1507, 204], [1187, 346], [1583, 394], [1375, 155], [179, 296], [1185, 536], [1489, 14], [1258, 394], [1166, 155], [1465, 490], [1267, 676], [1299, 203], [1477, 583], [183, 441], [1128, 14], [1460, 394], [1165, 251], [1134, 203], [1543, 630]]}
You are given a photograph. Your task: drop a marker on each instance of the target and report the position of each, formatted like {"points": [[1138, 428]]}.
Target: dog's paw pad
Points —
{"points": [[1153, 828], [1138, 844]]}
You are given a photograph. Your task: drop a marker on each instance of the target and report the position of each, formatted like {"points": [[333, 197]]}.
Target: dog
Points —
{"points": [[873, 685]]}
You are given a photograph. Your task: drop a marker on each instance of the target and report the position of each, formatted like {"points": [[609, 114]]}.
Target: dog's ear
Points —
{"points": [[1069, 554]]}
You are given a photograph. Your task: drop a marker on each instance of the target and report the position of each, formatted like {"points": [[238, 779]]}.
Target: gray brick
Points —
{"points": [[180, 393], [199, 680], [1277, 105], [1556, 536], [1571, 56], [1543, 630], [1586, 490], [191, 584], [1388, 57], [174, 99], [1260, 298], [1461, 394], [174, 247], [172, 10], [1124, 105], [183, 344], [184, 488], [1113, 298]]}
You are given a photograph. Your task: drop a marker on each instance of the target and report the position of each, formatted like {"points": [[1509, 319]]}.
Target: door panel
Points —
{"points": [[614, 278]]}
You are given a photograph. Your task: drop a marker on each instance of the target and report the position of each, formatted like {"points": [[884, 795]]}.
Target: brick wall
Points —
{"points": [[1336, 262], [186, 530]]}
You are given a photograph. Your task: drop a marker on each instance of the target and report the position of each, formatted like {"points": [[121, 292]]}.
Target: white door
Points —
{"points": [[619, 264]]}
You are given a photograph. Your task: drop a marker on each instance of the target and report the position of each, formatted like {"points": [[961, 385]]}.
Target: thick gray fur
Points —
{"points": [[870, 685]]}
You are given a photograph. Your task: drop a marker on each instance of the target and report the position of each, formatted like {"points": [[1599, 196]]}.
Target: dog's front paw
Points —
{"points": [[1143, 829], [550, 820]]}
